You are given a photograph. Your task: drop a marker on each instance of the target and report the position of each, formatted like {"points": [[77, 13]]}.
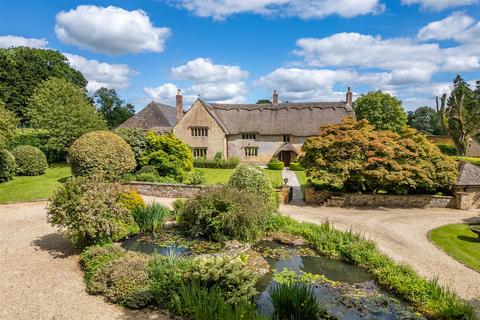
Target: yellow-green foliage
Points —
{"points": [[30, 161], [473, 160], [131, 199], [101, 152]]}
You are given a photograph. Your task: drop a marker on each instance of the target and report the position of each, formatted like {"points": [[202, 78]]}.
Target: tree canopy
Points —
{"points": [[22, 69], [352, 156], [8, 124], [382, 110], [426, 119], [112, 107], [65, 111]]}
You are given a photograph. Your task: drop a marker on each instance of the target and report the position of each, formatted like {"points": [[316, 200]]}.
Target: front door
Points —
{"points": [[286, 158]]}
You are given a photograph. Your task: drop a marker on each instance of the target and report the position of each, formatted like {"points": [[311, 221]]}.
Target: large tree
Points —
{"points": [[382, 110], [426, 119], [65, 111], [112, 107], [8, 124], [460, 114], [22, 69]]}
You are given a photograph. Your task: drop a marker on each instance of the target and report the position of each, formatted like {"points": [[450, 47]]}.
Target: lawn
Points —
{"points": [[33, 188], [302, 178], [215, 176], [458, 242]]}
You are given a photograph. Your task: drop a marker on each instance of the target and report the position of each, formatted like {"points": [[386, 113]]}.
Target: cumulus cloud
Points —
{"points": [[166, 92], [101, 74], [110, 30], [439, 4], [15, 41], [447, 28], [203, 70], [305, 9]]}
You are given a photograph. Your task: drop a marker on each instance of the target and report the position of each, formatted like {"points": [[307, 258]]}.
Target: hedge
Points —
{"points": [[230, 163], [275, 165], [295, 166]]}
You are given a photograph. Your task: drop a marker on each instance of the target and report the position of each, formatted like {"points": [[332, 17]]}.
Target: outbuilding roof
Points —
{"points": [[469, 175], [155, 116]]}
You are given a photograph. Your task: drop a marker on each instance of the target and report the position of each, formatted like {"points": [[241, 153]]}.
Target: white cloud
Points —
{"points": [[219, 91], [15, 41], [101, 74], [203, 70], [305, 9], [439, 4], [447, 28], [110, 30], [164, 93]]}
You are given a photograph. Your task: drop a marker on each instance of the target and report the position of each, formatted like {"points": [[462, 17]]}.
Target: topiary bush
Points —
{"points": [[7, 165], [295, 166], [30, 161], [224, 212], [275, 164], [252, 179], [37, 138], [89, 210], [101, 153]]}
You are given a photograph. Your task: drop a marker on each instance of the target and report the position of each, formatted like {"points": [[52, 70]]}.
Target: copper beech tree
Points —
{"points": [[352, 156]]}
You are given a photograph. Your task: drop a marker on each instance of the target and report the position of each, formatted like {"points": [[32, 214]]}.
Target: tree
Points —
{"points": [[460, 114], [65, 111], [383, 111], [426, 119], [263, 101], [22, 69], [115, 110], [352, 156], [8, 124]]}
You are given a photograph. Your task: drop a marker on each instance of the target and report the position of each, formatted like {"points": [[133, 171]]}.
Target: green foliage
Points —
{"points": [[30, 161], [148, 169], [101, 152], [169, 155], [202, 303], [429, 297], [196, 177], [383, 111], [275, 164], [426, 120], [8, 124], [115, 110], [295, 166], [136, 139], [472, 160], [217, 162], [294, 301], [447, 149], [22, 69], [354, 157], [7, 165], [151, 218], [36, 138], [220, 213], [131, 199], [65, 111], [253, 179], [90, 211]]}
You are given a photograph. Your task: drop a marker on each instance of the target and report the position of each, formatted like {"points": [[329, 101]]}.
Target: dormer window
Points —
{"points": [[199, 132], [286, 138], [249, 136]]}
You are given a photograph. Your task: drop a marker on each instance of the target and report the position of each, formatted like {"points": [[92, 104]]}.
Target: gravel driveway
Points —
{"points": [[40, 276], [402, 234]]}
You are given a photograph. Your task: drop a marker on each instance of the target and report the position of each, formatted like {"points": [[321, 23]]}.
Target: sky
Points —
{"points": [[240, 51]]}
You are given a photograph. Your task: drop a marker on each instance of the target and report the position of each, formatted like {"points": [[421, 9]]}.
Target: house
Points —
{"points": [[255, 132], [467, 189]]}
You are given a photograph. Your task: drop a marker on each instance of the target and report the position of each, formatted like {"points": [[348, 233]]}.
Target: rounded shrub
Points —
{"points": [[295, 166], [275, 164], [30, 161], [89, 210], [7, 165], [132, 200], [102, 153]]}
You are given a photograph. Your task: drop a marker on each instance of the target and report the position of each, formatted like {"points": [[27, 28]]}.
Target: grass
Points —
{"points": [[221, 176], [473, 160], [34, 188], [458, 242], [302, 178]]}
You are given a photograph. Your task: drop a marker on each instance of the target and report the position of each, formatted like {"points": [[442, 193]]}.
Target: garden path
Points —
{"points": [[297, 195], [40, 277], [402, 234]]}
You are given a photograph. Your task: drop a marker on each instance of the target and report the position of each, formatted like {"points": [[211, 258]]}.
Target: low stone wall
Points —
{"points": [[165, 190], [327, 198], [468, 197]]}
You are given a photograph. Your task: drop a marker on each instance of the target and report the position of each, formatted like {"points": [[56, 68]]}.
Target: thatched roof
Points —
{"points": [[155, 116], [298, 119], [469, 175]]}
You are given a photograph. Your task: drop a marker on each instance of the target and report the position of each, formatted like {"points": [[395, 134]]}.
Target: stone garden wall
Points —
{"points": [[468, 197], [165, 190]]}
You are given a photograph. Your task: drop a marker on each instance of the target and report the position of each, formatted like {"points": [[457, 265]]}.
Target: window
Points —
{"points": [[199, 132], [286, 138], [199, 152], [251, 151], [249, 136]]}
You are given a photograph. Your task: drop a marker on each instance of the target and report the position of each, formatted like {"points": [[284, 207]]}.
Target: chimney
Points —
{"points": [[179, 105], [275, 97], [349, 99]]}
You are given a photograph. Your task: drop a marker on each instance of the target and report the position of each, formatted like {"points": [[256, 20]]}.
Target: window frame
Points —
{"points": [[249, 136], [250, 151], [198, 131], [286, 138]]}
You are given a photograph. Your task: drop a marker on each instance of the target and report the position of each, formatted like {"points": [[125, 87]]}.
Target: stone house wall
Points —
{"points": [[473, 150], [197, 116]]}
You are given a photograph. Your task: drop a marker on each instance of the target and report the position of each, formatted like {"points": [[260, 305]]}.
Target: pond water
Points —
{"points": [[354, 295], [148, 246]]}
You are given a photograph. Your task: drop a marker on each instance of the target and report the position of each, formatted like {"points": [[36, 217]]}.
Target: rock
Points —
{"points": [[287, 239], [170, 224], [257, 263]]}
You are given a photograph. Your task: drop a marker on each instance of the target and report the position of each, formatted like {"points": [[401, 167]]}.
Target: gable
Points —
{"points": [[199, 116]]}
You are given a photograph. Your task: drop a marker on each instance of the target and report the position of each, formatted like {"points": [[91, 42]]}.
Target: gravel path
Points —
{"points": [[40, 276], [297, 195], [402, 234]]}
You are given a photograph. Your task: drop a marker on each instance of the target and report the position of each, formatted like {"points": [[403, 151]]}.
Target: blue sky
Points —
{"points": [[239, 51]]}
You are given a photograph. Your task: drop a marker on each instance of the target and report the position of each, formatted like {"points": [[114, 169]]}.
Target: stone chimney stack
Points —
{"points": [[179, 105], [275, 97], [349, 99]]}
